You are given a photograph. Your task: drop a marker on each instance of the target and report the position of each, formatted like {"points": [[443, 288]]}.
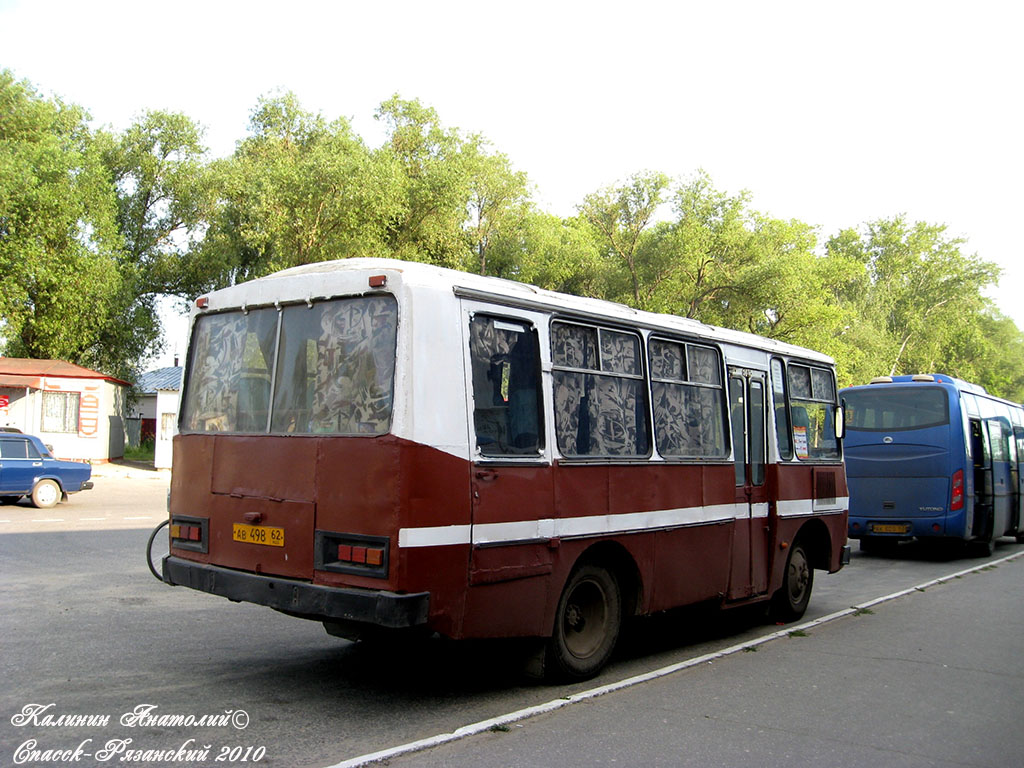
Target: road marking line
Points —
{"points": [[141, 517], [47, 520], [550, 706], [82, 519]]}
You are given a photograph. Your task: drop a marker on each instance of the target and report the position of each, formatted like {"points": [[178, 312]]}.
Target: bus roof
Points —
{"points": [[932, 378], [332, 278]]}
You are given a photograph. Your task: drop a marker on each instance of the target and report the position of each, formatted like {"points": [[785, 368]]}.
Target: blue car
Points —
{"points": [[27, 468]]}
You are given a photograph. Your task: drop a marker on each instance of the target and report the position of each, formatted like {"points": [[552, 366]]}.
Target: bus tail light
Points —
{"points": [[189, 533], [956, 499], [352, 553]]}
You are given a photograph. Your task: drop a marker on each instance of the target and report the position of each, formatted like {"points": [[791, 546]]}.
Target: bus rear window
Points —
{"points": [[327, 368], [896, 409]]}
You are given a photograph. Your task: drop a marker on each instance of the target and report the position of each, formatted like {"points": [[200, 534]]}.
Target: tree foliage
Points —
{"points": [[59, 238], [95, 226]]}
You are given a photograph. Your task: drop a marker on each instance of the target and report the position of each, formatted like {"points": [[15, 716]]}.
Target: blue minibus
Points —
{"points": [[934, 458]]}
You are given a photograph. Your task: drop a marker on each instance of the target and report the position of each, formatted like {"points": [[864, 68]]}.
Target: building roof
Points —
{"points": [[21, 371], [161, 378]]}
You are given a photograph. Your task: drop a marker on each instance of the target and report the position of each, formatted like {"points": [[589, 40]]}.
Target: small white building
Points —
{"points": [[78, 411], [157, 409]]}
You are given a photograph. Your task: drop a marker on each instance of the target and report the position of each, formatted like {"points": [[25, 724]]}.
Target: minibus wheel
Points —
{"points": [[982, 547], [790, 602], [587, 624]]}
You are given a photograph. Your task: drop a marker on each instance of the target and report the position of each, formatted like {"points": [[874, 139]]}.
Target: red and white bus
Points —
{"points": [[377, 444]]}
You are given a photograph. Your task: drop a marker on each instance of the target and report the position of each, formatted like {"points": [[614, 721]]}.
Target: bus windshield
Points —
{"points": [[320, 368], [896, 409]]}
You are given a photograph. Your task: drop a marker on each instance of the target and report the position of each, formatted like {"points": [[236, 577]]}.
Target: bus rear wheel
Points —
{"points": [[790, 602], [985, 547], [587, 624]]}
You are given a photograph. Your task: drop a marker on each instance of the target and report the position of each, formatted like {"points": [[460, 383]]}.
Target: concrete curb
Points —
{"points": [[134, 470]]}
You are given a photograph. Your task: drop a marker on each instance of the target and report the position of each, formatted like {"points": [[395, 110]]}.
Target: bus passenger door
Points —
{"points": [[1018, 436], [749, 574], [511, 480], [983, 482]]}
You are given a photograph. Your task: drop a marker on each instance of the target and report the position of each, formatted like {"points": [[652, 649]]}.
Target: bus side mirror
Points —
{"points": [[840, 422]]}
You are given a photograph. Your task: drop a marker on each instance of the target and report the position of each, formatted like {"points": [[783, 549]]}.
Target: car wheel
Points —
{"points": [[46, 494], [587, 624]]}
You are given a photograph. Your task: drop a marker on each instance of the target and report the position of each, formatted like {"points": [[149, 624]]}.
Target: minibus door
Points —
{"points": [[511, 482], [1018, 506], [749, 575], [983, 482]]}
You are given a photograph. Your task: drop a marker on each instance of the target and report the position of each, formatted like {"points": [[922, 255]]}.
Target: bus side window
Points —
{"points": [[505, 362], [979, 447], [599, 391]]}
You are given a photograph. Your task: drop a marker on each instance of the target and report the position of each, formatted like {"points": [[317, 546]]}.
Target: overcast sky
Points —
{"points": [[831, 113]]}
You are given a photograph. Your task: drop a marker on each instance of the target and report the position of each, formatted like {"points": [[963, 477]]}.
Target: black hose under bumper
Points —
{"points": [[313, 601]]}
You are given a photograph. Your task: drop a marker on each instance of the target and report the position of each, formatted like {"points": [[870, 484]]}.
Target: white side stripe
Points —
{"points": [[440, 536], [594, 525], [795, 508]]}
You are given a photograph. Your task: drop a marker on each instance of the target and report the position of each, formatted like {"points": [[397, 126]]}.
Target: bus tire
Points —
{"points": [[790, 601], [982, 547], [46, 494], [587, 624]]}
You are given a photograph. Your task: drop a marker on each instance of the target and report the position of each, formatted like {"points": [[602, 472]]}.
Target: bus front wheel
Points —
{"points": [[587, 624], [790, 602]]}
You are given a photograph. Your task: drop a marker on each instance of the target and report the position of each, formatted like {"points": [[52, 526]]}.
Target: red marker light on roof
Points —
{"points": [[203, 302], [378, 281]]}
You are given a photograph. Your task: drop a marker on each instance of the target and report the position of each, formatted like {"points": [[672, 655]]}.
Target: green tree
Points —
{"points": [[59, 240], [553, 253], [499, 207], [437, 164], [164, 200], [921, 292], [298, 190], [622, 218], [714, 237]]}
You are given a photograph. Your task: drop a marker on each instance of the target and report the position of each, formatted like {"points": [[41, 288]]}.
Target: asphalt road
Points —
{"points": [[86, 628]]}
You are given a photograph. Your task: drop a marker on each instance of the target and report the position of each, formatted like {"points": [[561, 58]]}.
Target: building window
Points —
{"points": [[60, 411]]}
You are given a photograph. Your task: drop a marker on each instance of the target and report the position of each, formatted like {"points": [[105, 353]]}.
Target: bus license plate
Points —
{"points": [[258, 534], [904, 528]]}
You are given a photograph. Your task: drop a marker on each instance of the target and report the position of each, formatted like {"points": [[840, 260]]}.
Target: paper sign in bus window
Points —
{"points": [[800, 442]]}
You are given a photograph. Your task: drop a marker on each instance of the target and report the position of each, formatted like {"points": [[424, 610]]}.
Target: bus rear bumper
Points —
{"points": [[366, 606], [937, 526]]}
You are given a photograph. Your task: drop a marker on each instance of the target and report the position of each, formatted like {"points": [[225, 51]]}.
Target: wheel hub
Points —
{"points": [[574, 618]]}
